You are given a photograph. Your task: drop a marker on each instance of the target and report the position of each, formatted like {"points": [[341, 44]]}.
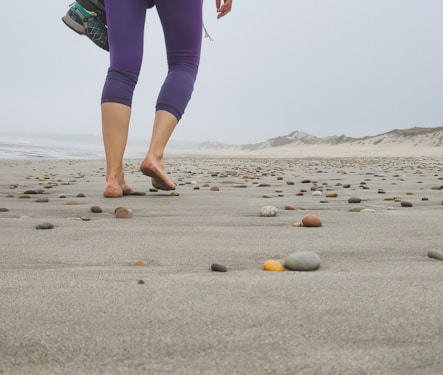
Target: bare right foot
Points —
{"points": [[155, 169]]}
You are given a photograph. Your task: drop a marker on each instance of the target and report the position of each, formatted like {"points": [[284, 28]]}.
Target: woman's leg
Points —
{"points": [[126, 21], [182, 27]]}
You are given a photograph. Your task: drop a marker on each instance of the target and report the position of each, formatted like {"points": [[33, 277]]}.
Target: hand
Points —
{"points": [[224, 9]]}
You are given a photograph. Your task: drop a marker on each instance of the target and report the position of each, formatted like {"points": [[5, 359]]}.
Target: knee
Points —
{"points": [[119, 86]]}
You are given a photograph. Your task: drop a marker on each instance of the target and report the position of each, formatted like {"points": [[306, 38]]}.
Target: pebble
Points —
{"points": [[368, 211], [71, 203], [86, 218], [140, 282], [175, 194], [123, 213], [289, 207], [317, 193], [153, 190], [218, 268], [267, 196], [435, 254], [45, 226], [3, 209], [80, 195], [214, 188], [139, 263], [139, 193], [354, 200], [24, 196], [62, 196], [311, 221], [269, 211], [29, 192], [331, 194], [302, 261], [406, 204], [42, 200], [273, 265], [96, 209], [297, 225]]}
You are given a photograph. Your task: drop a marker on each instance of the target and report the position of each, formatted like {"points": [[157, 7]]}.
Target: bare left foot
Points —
{"points": [[155, 169]]}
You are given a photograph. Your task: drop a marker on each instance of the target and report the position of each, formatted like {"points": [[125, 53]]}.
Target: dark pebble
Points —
{"points": [[153, 190], [139, 193], [44, 226], [218, 268], [141, 282], [406, 204], [80, 195], [29, 192], [354, 200], [347, 186], [96, 209], [290, 182], [42, 200], [3, 209]]}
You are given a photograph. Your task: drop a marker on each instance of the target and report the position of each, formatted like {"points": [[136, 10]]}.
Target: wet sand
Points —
{"points": [[72, 303]]}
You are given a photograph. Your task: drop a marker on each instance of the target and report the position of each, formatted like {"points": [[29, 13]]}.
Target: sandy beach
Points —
{"points": [[73, 303]]}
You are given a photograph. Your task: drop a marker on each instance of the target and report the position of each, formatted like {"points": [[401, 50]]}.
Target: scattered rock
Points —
{"points": [[71, 203], [269, 211], [435, 254], [140, 282], [273, 265], [45, 226], [123, 213], [80, 195], [42, 200], [175, 194], [368, 211], [331, 194], [96, 209], [139, 193], [354, 200], [311, 221], [86, 218], [139, 263], [214, 188], [3, 209], [218, 268], [289, 207], [302, 261], [405, 204]]}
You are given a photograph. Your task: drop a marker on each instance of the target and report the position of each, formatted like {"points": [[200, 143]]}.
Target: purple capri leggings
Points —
{"points": [[182, 27]]}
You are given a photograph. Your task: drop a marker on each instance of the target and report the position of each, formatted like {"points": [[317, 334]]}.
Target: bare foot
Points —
{"points": [[116, 190], [156, 170]]}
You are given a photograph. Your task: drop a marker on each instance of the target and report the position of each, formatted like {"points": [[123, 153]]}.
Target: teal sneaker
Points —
{"points": [[85, 22]]}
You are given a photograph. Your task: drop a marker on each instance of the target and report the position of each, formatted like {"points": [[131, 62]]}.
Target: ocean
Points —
{"points": [[58, 146]]}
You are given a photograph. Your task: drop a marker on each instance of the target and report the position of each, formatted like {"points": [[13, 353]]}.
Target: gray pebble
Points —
{"points": [[435, 254], [45, 226], [96, 209], [354, 200], [218, 268], [302, 261]]}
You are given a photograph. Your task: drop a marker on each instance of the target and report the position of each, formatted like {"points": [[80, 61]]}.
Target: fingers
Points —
{"points": [[223, 9]]}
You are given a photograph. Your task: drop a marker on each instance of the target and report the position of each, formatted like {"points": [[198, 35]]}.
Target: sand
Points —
{"points": [[73, 304]]}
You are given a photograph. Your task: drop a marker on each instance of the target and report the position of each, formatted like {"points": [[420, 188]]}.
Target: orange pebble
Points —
{"points": [[139, 263], [273, 265]]}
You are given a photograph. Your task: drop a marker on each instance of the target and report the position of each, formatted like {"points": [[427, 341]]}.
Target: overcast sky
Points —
{"points": [[326, 67]]}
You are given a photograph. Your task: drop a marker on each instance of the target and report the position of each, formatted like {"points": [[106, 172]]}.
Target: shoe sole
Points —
{"points": [[79, 29]]}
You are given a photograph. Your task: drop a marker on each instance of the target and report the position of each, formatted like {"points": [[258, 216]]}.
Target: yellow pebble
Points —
{"points": [[273, 265], [139, 263]]}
